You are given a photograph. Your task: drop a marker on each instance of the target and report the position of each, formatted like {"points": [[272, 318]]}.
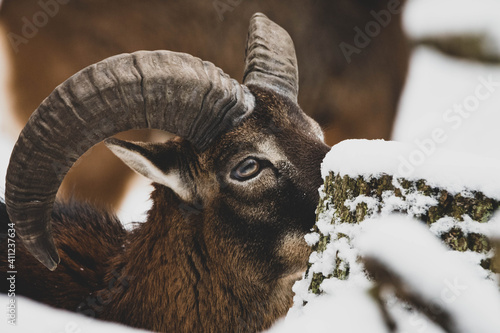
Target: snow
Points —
{"points": [[444, 278], [437, 88], [312, 238], [326, 262], [495, 226], [448, 169], [371, 203], [7, 130], [35, 317], [136, 203], [409, 321], [426, 18], [335, 314], [424, 265], [467, 226]]}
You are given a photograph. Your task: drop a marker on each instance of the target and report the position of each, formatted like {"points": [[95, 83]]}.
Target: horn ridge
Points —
{"points": [[270, 60], [164, 90]]}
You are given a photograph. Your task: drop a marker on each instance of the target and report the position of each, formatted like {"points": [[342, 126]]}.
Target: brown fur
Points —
{"points": [[223, 259], [356, 100], [84, 257]]}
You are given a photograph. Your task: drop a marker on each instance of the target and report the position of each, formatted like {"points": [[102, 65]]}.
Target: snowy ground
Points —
{"points": [[458, 99]]}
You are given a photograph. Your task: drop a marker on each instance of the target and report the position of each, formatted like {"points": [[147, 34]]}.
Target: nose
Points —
{"points": [[319, 154], [324, 149]]}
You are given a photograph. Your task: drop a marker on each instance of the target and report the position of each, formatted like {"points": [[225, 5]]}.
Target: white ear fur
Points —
{"points": [[145, 167]]}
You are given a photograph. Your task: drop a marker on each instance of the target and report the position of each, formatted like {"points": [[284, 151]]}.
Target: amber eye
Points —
{"points": [[247, 169]]}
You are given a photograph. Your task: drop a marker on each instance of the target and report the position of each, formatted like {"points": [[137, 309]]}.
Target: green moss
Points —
{"points": [[425, 189], [486, 263], [341, 189], [361, 211], [338, 272], [341, 235], [478, 243], [405, 184], [455, 239], [316, 281], [483, 208], [322, 243]]}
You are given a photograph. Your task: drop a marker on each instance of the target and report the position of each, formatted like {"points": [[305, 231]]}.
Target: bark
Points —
{"points": [[352, 200]]}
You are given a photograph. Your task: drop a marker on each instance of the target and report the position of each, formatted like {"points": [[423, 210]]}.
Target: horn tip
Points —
{"points": [[259, 14], [44, 250]]}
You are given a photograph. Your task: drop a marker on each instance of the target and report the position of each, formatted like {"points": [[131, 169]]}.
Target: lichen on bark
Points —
{"points": [[349, 200]]}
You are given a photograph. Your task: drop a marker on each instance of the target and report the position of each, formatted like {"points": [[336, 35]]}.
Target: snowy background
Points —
{"points": [[440, 94]]}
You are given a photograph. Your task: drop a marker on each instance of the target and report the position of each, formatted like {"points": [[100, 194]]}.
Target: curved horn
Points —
{"points": [[270, 58], [162, 90]]}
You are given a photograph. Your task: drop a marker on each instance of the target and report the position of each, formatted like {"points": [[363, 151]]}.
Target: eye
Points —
{"points": [[247, 169]]}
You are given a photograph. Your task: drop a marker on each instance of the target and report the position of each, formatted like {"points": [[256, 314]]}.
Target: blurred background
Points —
{"points": [[368, 69]]}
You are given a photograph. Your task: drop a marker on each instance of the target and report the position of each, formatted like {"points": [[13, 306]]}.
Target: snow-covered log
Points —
{"points": [[452, 195]]}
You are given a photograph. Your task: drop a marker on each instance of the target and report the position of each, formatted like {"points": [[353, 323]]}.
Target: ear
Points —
{"points": [[156, 161]]}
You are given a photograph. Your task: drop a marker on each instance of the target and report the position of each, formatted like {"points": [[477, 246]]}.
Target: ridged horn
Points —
{"points": [[270, 59], [162, 90]]}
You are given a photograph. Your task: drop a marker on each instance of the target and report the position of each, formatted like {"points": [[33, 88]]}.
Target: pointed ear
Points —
{"points": [[157, 162]]}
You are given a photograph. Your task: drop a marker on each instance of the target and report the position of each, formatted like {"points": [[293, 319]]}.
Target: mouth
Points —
{"points": [[294, 253], [296, 276], [310, 223]]}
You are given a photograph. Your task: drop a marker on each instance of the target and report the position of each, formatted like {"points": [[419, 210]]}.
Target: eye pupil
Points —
{"points": [[247, 169]]}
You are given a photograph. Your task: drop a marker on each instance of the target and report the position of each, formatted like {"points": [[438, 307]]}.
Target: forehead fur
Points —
{"points": [[273, 116]]}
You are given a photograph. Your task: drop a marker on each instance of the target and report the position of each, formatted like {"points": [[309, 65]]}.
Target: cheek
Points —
{"points": [[293, 252], [262, 185], [220, 245], [252, 201], [257, 248]]}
